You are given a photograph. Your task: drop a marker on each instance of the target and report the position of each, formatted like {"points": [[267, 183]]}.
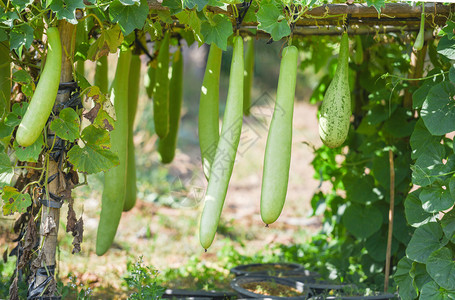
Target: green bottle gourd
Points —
{"points": [[277, 158], [115, 179], [43, 98], [133, 96], [149, 78], [208, 119], [335, 114], [221, 170], [420, 39], [358, 57], [248, 75], [161, 90], [101, 71], [5, 78], [167, 145]]}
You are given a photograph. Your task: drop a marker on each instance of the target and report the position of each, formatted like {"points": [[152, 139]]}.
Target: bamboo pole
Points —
{"points": [[398, 14], [391, 214]]}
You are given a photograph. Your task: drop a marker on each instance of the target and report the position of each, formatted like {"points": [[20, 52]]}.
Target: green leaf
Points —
{"points": [[21, 37], [441, 267], [103, 113], [21, 4], [271, 19], [362, 221], [30, 153], [381, 169], [218, 31], [452, 74], [426, 239], [449, 29], [14, 201], [415, 215], [95, 156], [448, 225], [191, 21], [378, 4], [26, 81], [434, 198], [424, 143], [376, 246], [107, 42], [66, 126], [6, 170], [432, 291], [66, 9], [419, 96], [8, 18], [438, 109], [404, 280], [3, 35], [401, 230], [175, 6], [129, 17], [419, 275], [400, 124], [94, 135], [446, 47], [130, 2], [360, 189], [12, 119], [199, 4], [428, 169]]}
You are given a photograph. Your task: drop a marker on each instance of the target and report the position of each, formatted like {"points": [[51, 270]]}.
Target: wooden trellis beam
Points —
{"points": [[326, 19]]}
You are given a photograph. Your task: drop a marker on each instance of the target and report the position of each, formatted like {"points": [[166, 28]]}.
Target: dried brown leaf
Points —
{"points": [[78, 234]]}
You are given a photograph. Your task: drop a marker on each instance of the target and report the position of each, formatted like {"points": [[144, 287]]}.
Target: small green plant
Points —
{"points": [[73, 290], [143, 281]]}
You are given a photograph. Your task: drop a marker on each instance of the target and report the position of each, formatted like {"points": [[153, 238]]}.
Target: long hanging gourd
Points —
{"points": [[208, 123], [149, 78], [221, 170], [161, 90], [166, 146], [277, 156], [336, 107], [248, 75], [420, 39], [358, 57], [133, 95], [115, 179], [81, 37], [43, 99], [101, 71], [5, 78]]}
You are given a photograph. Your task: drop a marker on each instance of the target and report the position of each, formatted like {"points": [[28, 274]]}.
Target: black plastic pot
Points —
{"points": [[197, 295], [270, 268], [323, 287], [304, 276], [238, 283], [375, 297]]}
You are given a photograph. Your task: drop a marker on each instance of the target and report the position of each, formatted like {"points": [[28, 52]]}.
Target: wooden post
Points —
{"points": [[391, 213], [50, 216]]}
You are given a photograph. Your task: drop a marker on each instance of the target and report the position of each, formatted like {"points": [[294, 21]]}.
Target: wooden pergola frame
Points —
{"points": [[326, 19]]}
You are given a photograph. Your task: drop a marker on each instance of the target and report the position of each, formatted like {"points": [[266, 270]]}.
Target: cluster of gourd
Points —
{"points": [[334, 126], [119, 193]]}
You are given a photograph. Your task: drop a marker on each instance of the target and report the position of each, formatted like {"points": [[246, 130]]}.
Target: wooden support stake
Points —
{"points": [[391, 212], [50, 217]]}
